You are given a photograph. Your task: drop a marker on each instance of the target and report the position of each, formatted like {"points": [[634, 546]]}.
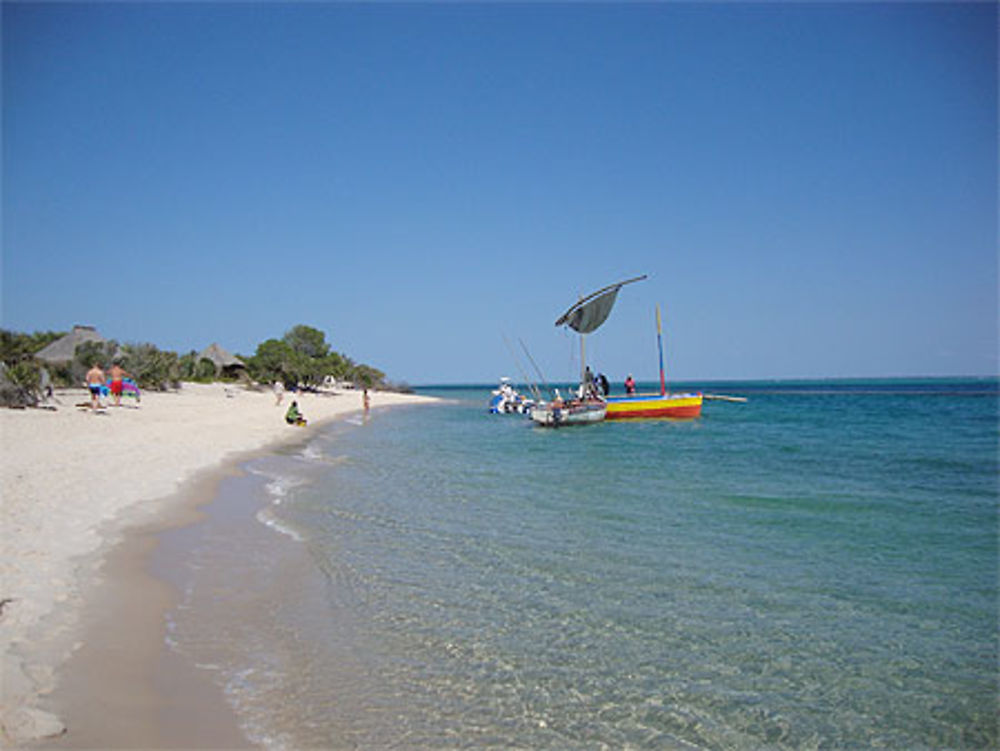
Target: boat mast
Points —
{"points": [[659, 344], [583, 359]]}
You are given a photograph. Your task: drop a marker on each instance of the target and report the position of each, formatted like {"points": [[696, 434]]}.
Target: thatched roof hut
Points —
{"points": [[225, 362], [63, 350]]}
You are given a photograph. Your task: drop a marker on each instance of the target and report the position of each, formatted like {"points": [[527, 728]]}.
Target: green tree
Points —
{"points": [[303, 357], [337, 365], [152, 368], [367, 376], [270, 362], [186, 366], [15, 346], [307, 341]]}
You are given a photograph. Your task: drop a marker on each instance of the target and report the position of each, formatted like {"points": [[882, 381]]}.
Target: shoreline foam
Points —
{"points": [[72, 482]]}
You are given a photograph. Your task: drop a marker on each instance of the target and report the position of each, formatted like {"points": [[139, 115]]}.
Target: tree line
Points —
{"points": [[301, 358]]}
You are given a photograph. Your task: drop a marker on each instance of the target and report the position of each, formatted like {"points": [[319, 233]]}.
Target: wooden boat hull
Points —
{"points": [[645, 406], [576, 414]]}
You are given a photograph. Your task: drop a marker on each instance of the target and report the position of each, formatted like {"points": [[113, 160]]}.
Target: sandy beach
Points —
{"points": [[73, 480]]}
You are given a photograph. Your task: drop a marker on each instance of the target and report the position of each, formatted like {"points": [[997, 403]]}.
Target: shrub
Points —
{"points": [[204, 371], [151, 368]]}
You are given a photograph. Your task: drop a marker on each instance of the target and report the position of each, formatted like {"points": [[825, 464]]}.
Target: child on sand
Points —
{"points": [[293, 416]]}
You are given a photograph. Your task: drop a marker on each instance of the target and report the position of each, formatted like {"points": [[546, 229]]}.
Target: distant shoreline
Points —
{"points": [[689, 383]]}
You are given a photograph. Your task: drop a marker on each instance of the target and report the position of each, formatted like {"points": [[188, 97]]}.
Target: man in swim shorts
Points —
{"points": [[118, 374], [95, 379]]}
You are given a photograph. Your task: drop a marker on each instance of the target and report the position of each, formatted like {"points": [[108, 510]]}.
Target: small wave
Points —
{"points": [[312, 453], [319, 457], [267, 518], [279, 486], [240, 689]]}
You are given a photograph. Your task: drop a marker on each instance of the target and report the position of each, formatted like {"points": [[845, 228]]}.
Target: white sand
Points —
{"points": [[70, 480]]}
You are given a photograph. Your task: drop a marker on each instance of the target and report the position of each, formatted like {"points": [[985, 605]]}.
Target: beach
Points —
{"points": [[812, 568], [74, 481]]}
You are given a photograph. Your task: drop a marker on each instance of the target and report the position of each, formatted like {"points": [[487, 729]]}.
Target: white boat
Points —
{"points": [[506, 400], [556, 413], [589, 407]]}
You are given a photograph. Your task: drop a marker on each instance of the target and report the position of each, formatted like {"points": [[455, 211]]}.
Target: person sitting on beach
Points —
{"points": [[629, 385], [95, 380], [118, 375], [293, 416]]}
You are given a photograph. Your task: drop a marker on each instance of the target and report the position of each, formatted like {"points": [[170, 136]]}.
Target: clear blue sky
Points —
{"points": [[812, 188]]}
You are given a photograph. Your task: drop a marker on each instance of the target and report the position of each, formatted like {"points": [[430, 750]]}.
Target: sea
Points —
{"points": [[815, 568]]}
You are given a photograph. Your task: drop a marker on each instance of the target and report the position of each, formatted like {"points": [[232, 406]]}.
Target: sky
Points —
{"points": [[811, 188]]}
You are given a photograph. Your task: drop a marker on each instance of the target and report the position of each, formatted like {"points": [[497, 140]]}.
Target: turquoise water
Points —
{"points": [[816, 568]]}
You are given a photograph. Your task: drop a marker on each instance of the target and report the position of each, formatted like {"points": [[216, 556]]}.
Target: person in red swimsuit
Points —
{"points": [[118, 374]]}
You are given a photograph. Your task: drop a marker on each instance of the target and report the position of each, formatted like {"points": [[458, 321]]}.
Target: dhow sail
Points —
{"points": [[590, 312]]}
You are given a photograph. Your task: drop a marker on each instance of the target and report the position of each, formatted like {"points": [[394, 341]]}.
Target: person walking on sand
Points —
{"points": [[118, 375], [366, 401], [95, 380], [279, 392]]}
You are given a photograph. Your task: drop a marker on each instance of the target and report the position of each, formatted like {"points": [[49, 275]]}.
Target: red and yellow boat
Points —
{"points": [[662, 405], [584, 317], [639, 406]]}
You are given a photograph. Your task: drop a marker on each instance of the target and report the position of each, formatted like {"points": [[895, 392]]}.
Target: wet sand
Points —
{"points": [[123, 687], [82, 654]]}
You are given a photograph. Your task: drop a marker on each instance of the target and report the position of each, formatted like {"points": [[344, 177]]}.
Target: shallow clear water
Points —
{"points": [[816, 568]]}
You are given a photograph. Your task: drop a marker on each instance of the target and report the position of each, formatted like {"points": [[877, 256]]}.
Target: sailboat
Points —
{"points": [[587, 406], [677, 406]]}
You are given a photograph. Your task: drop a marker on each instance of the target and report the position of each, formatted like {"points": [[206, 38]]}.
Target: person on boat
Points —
{"points": [[293, 416], [589, 387], [603, 381], [629, 385]]}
